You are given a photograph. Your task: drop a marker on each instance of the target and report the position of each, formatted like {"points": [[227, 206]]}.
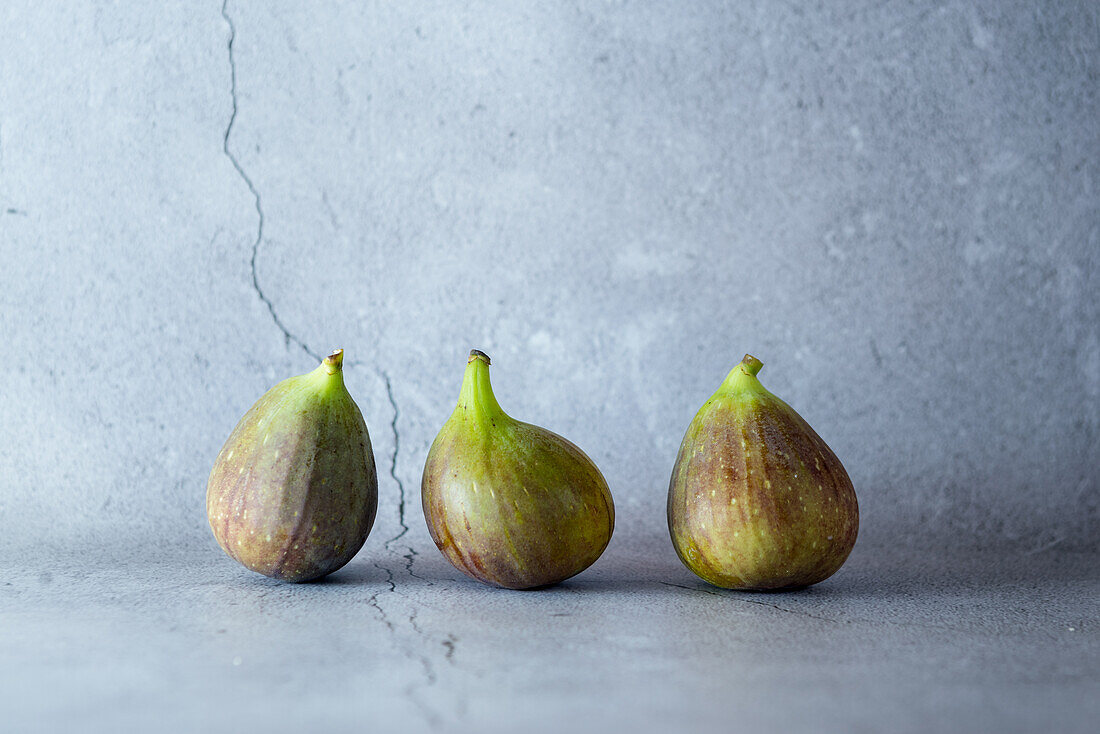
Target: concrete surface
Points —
{"points": [[98, 640], [893, 205]]}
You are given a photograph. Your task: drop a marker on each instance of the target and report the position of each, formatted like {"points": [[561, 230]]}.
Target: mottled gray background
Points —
{"points": [[893, 205]]}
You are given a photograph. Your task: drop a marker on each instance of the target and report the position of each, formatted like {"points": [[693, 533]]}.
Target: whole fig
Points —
{"points": [[509, 503], [293, 493], [757, 500]]}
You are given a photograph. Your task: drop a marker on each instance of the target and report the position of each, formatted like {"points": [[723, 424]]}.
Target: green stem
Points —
{"points": [[743, 376], [334, 362], [751, 365], [477, 393]]}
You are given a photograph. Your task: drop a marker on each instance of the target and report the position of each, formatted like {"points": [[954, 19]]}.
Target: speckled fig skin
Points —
{"points": [[293, 493], [757, 500], [508, 503]]}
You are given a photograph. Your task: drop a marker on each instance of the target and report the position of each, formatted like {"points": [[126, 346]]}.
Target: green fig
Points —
{"points": [[509, 503], [757, 500], [293, 493]]}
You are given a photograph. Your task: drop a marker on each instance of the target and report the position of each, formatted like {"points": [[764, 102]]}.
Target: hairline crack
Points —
{"points": [[287, 335]]}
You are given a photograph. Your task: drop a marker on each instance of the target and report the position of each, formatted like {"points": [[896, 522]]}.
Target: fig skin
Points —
{"points": [[508, 503], [757, 500], [294, 492]]}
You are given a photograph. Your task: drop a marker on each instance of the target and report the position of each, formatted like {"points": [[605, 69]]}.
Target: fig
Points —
{"points": [[508, 503], [294, 492], [757, 500]]}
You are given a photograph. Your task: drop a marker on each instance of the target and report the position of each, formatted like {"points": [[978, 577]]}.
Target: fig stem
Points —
{"points": [[477, 391], [751, 365], [742, 378], [334, 362]]}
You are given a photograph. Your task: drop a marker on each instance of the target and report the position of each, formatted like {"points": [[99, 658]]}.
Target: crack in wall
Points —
{"points": [[449, 644], [287, 335], [411, 554], [393, 460], [429, 669], [372, 601], [413, 689], [409, 557], [430, 675]]}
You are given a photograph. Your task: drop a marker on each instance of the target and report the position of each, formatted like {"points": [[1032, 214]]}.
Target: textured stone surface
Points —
{"points": [[95, 640], [893, 205]]}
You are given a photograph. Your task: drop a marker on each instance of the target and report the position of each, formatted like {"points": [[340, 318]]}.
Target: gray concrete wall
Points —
{"points": [[893, 205]]}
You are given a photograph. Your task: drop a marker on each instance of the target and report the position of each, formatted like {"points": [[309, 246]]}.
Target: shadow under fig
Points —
{"points": [[874, 571], [647, 561]]}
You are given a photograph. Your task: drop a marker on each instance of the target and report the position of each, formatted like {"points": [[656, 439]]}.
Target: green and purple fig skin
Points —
{"points": [[294, 492], [757, 500], [508, 503]]}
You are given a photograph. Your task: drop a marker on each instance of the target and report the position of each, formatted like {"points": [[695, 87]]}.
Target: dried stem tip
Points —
{"points": [[751, 365], [478, 354], [334, 362]]}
